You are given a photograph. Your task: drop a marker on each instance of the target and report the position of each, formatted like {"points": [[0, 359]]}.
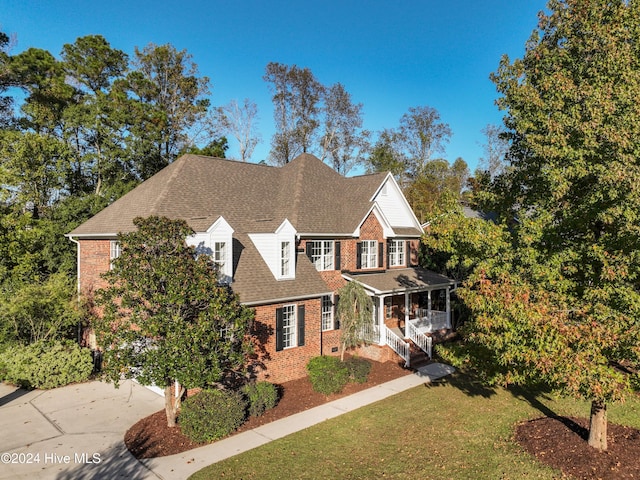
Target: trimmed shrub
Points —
{"points": [[212, 414], [327, 374], [261, 396], [359, 369], [46, 364]]}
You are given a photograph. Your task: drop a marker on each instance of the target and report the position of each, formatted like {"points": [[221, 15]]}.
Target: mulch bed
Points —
{"points": [[562, 443], [151, 437]]}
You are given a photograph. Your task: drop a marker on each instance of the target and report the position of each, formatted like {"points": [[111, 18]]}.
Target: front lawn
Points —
{"points": [[454, 429]]}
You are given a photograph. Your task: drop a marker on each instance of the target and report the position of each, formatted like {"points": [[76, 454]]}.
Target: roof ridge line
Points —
{"points": [[178, 166]]}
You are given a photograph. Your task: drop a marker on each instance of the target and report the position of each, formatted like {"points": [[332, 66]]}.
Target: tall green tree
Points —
{"points": [[95, 123], [423, 135], [296, 98], [344, 143], [565, 312], [437, 189], [169, 100], [165, 317]]}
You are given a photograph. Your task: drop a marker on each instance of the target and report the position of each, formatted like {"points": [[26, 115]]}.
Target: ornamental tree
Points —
{"points": [[563, 310], [355, 311], [165, 317]]}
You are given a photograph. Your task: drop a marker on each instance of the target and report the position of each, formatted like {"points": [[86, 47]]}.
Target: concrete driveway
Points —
{"points": [[73, 432]]}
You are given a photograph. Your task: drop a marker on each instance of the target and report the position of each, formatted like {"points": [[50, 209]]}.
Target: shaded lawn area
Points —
{"points": [[454, 429]]}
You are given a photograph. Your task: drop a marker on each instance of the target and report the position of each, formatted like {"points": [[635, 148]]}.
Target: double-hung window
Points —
{"points": [[327, 313], [285, 259], [369, 254], [114, 251], [288, 326], [322, 254], [220, 255], [396, 253]]}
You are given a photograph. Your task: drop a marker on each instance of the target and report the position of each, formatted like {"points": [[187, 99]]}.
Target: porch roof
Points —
{"points": [[402, 280]]}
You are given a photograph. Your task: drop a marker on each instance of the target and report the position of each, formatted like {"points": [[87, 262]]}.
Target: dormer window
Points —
{"points": [[285, 259], [217, 243], [220, 255]]}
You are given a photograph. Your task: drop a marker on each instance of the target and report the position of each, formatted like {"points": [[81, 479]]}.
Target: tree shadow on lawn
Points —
{"points": [[473, 386]]}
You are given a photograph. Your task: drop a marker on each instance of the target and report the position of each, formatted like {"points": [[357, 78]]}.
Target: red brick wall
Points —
{"points": [[290, 363], [94, 260]]}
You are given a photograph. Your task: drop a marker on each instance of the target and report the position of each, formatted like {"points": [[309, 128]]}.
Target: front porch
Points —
{"points": [[410, 306]]}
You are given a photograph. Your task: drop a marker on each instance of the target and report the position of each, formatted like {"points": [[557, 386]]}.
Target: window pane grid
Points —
{"points": [[369, 254], [322, 254], [285, 255], [396, 253], [288, 326], [327, 313]]}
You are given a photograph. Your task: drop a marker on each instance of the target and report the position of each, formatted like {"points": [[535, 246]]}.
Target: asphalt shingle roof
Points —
{"points": [[252, 198]]}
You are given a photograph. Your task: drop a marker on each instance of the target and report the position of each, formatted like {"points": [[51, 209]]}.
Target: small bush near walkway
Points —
{"points": [[212, 414], [329, 374], [359, 369], [261, 397]]}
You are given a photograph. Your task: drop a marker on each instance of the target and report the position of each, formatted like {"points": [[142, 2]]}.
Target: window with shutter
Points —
{"points": [[287, 328]]}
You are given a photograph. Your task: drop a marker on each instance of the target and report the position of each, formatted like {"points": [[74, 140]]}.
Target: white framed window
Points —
{"points": [[322, 254], [285, 259], [220, 254], [327, 313], [288, 326], [114, 252], [396, 253], [369, 254]]}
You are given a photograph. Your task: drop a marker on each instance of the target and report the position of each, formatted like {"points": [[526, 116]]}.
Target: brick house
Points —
{"points": [[286, 239]]}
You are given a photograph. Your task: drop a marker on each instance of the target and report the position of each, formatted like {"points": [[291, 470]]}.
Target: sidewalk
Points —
{"points": [[77, 432], [182, 465]]}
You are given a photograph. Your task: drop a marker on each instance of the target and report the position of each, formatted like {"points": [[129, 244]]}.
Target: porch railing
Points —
{"points": [[428, 321], [397, 344], [419, 338], [371, 333]]}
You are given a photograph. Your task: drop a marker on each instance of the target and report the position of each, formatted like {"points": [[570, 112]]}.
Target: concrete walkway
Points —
{"points": [[76, 432]]}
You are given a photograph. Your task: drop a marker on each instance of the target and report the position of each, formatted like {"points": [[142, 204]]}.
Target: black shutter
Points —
{"points": [[300, 325], [358, 255], [278, 329], [380, 254], [336, 318], [337, 257], [309, 248], [388, 253], [407, 254]]}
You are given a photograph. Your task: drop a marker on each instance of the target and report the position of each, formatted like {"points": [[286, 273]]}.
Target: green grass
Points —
{"points": [[454, 429]]}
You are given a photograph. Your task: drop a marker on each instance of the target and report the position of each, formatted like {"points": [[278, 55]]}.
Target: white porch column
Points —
{"points": [[429, 305], [407, 307], [381, 314], [448, 309]]}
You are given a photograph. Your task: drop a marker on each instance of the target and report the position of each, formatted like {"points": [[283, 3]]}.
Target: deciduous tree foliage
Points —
{"points": [[165, 317], [564, 310]]}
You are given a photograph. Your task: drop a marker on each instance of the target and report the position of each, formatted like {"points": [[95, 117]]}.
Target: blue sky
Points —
{"points": [[390, 55]]}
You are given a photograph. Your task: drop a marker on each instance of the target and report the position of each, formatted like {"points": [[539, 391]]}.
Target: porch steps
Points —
{"points": [[418, 358]]}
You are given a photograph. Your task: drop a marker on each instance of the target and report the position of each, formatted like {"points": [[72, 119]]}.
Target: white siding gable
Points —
{"points": [[394, 205], [270, 247], [216, 242]]}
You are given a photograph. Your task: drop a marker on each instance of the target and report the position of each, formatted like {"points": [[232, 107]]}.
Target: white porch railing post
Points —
{"points": [[406, 313], [448, 309], [381, 315]]}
